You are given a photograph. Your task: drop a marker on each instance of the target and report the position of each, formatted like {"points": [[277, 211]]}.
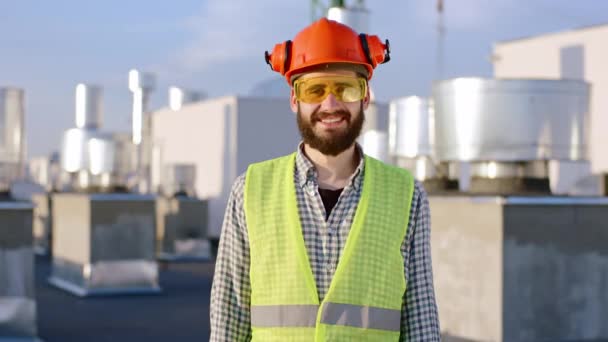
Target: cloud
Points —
{"points": [[462, 14], [230, 31], [224, 40]]}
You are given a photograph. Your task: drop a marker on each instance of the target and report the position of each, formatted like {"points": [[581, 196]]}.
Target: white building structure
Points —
{"points": [[574, 54], [221, 137]]}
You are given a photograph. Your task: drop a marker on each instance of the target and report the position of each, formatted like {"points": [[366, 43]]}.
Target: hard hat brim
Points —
{"points": [[363, 69]]}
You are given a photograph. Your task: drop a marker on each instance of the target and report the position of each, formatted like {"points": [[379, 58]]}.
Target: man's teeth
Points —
{"points": [[331, 120]]}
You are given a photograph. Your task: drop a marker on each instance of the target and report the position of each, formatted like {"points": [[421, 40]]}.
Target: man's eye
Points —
{"points": [[315, 90], [340, 89]]}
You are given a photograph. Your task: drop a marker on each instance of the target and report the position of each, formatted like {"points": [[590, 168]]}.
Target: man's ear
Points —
{"points": [[293, 102], [367, 99]]}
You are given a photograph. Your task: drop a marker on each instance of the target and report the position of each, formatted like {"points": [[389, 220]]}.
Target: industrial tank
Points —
{"points": [[179, 97], [411, 141], [375, 144], [18, 308], [89, 155], [93, 159], [103, 237], [11, 136], [357, 17], [89, 106], [508, 129]]}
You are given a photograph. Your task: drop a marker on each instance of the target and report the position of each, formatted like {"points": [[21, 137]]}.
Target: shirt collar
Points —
{"points": [[306, 172]]}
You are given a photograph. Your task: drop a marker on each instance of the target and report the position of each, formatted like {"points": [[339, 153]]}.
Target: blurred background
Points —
{"points": [[124, 124]]}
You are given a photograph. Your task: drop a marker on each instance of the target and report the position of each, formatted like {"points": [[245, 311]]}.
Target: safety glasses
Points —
{"points": [[316, 89]]}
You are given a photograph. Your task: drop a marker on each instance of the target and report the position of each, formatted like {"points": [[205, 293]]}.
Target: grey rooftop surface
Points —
{"points": [[179, 313]]}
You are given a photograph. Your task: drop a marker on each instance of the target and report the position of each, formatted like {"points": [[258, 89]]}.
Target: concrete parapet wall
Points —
{"points": [[513, 269]]}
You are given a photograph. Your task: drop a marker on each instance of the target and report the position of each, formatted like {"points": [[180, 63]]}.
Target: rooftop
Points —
{"points": [[180, 313]]}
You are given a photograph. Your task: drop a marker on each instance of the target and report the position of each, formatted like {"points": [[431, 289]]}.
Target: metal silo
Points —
{"points": [[17, 298], [508, 129], [355, 16], [12, 138], [103, 237]]}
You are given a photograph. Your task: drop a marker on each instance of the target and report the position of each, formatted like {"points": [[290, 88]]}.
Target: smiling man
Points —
{"points": [[325, 244]]}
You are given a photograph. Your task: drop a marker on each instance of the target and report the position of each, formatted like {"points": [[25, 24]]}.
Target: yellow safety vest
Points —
{"points": [[364, 300]]}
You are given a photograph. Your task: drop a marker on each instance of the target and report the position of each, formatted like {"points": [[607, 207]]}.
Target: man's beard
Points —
{"points": [[335, 142]]}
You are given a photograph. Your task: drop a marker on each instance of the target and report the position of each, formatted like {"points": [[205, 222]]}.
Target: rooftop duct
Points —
{"points": [[508, 129]]}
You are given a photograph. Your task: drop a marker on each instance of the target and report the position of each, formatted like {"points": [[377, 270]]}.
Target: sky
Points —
{"points": [[217, 47]]}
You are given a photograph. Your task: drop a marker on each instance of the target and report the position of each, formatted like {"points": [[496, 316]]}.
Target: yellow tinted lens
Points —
{"points": [[314, 92], [350, 92], [344, 88]]}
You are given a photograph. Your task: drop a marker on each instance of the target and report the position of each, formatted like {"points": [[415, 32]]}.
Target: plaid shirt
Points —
{"points": [[324, 240]]}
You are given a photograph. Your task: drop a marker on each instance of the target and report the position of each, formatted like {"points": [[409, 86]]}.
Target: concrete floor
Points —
{"points": [[180, 313]]}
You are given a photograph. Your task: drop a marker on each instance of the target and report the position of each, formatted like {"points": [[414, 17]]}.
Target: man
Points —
{"points": [[325, 244]]}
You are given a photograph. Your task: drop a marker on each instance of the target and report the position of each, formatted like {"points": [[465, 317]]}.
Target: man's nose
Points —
{"points": [[331, 103]]}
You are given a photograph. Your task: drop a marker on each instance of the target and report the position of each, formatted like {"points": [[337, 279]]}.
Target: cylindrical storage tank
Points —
{"points": [[179, 97], [140, 84], [375, 144], [180, 179], [139, 80], [510, 120], [355, 17], [101, 152], [11, 136], [89, 157], [508, 130], [409, 127], [88, 106], [376, 117], [411, 139], [125, 156], [74, 149]]}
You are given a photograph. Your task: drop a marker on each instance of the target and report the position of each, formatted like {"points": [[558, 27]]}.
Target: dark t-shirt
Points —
{"points": [[330, 198]]}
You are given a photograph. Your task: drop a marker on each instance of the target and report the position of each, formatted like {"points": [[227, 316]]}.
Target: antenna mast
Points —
{"points": [[440, 41]]}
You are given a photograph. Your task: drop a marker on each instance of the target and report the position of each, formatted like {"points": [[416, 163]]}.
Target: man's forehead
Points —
{"points": [[329, 73]]}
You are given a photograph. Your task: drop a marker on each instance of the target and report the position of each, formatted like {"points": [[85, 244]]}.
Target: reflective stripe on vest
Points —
{"points": [[270, 316], [283, 316]]}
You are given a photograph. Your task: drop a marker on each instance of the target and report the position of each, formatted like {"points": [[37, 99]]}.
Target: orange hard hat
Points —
{"points": [[325, 42]]}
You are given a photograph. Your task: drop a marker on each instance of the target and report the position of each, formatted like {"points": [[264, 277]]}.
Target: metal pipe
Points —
{"points": [[141, 85]]}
